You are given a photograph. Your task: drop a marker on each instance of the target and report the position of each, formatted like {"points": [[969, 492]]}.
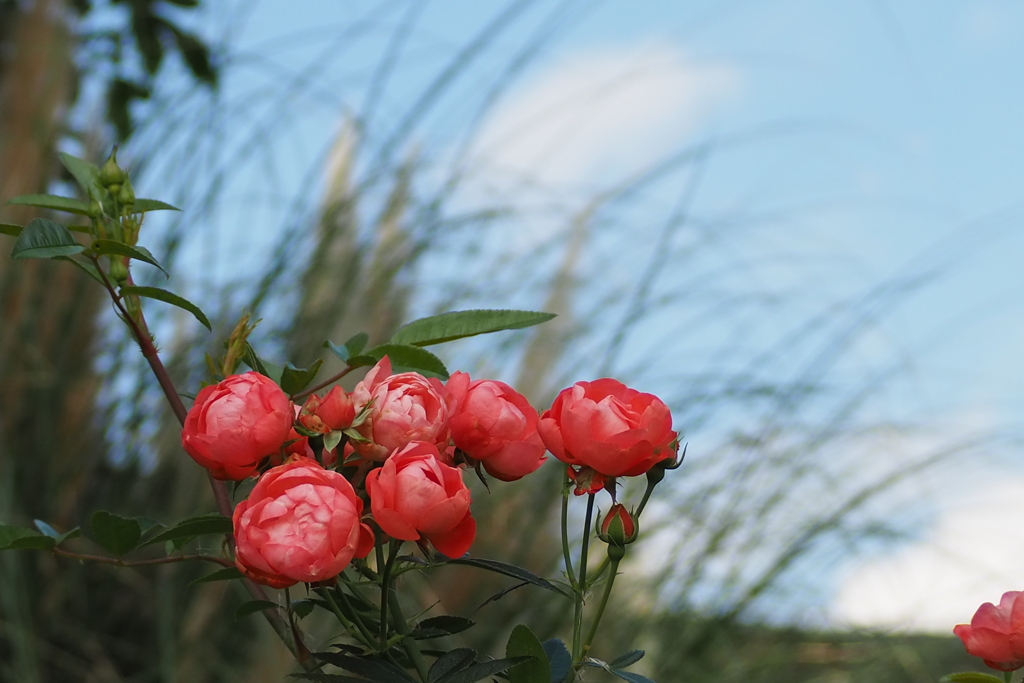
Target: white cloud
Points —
{"points": [[972, 555], [599, 115]]}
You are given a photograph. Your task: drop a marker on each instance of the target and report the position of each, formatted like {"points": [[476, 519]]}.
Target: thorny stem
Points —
{"points": [[220, 492]]}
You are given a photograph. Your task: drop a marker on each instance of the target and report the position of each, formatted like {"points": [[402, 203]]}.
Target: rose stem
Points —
{"points": [[577, 626], [567, 556], [600, 610], [220, 491]]}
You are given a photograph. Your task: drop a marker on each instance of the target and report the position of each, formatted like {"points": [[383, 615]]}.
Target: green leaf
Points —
{"points": [[86, 266], [253, 361], [42, 238], [117, 534], [122, 249], [294, 380], [971, 677], [353, 347], [58, 538], [559, 660], [52, 201], [627, 659], [10, 229], [377, 670], [186, 530], [436, 627], [512, 571], [318, 677], [332, 439], [253, 606], [480, 671], [195, 54], [404, 358], [169, 298], [459, 324], [523, 643], [20, 538], [87, 174], [302, 608], [624, 675], [225, 574], [144, 205], [450, 662]]}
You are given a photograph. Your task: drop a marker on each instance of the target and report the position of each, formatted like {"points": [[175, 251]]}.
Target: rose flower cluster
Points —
{"points": [[404, 441]]}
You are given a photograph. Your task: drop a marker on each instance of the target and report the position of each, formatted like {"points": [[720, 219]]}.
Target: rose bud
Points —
{"points": [[405, 407], [607, 430], [996, 634], [493, 423], [618, 527], [415, 496], [332, 412], [236, 423], [300, 523]]}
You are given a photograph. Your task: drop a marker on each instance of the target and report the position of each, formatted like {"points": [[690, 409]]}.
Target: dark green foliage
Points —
{"points": [[42, 238], [512, 571], [404, 358], [523, 643], [186, 530], [447, 327], [294, 380], [108, 247], [559, 659], [169, 298]]}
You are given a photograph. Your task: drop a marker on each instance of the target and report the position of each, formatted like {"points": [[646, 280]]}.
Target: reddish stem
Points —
{"points": [[142, 563], [326, 383], [220, 491]]}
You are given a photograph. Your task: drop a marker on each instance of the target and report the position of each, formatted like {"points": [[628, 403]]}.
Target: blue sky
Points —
{"points": [[847, 144]]}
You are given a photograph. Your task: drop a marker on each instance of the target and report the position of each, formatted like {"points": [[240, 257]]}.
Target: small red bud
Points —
{"points": [[619, 528]]}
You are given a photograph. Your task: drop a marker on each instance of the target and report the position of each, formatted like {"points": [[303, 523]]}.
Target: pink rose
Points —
{"points": [[414, 495], [996, 634], [493, 423], [607, 430], [332, 412], [406, 407], [236, 423], [300, 523]]}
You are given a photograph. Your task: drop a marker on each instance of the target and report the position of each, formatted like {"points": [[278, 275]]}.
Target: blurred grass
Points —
{"points": [[377, 232]]}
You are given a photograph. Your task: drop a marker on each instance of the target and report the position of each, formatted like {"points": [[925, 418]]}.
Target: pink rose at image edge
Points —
{"points": [[493, 423], [406, 407], [235, 423], [301, 522], [608, 427], [996, 633], [415, 495]]}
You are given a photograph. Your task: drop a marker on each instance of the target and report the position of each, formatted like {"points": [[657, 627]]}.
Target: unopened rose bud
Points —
{"points": [[118, 271], [619, 528], [111, 175], [95, 208], [126, 196], [336, 410]]}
